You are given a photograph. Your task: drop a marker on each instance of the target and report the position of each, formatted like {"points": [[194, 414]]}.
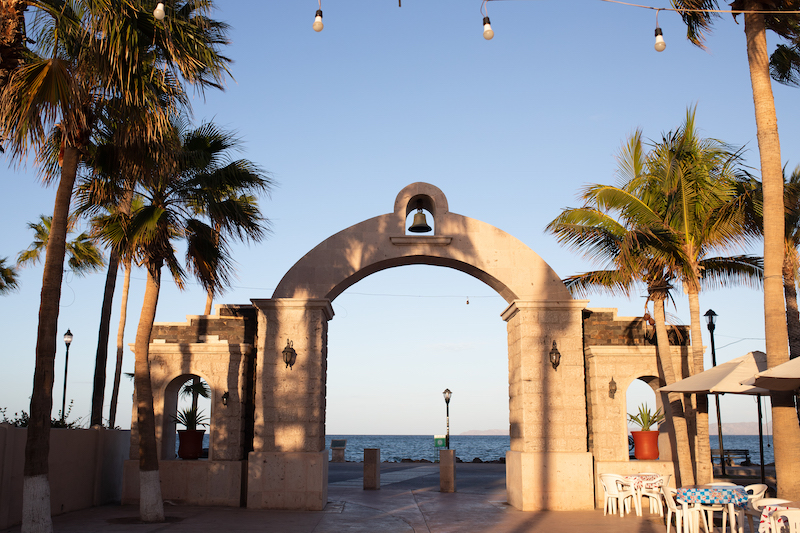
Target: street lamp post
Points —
{"points": [[711, 318], [447, 395], [67, 341]]}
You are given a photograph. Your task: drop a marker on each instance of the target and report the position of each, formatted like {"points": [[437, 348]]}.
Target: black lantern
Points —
{"points": [[225, 398], [711, 319], [289, 355], [555, 356], [612, 388]]}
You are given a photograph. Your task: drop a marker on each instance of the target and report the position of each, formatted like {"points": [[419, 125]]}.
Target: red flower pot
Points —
{"points": [[191, 443], [645, 445]]}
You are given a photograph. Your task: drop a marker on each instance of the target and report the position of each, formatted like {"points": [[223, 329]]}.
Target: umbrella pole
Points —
{"points": [[761, 440], [719, 435]]}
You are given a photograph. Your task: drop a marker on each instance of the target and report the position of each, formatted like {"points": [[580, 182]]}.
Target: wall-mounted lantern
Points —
{"points": [[225, 398], [289, 355], [612, 388], [555, 356]]}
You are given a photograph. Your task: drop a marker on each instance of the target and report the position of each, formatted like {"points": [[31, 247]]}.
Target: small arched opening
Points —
{"points": [[180, 397]]}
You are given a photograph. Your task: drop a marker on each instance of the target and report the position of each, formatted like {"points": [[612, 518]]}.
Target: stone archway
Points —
{"points": [[548, 466]]}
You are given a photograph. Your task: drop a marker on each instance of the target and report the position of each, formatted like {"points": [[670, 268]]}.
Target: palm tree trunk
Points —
{"points": [[792, 313], [36, 487], [674, 405], [126, 284], [151, 506], [786, 432], [704, 472], [209, 301], [101, 357]]}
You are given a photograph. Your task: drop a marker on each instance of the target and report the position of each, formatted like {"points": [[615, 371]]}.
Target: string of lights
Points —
{"points": [[660, 44]]}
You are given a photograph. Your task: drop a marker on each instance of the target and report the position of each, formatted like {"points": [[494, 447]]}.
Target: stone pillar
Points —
{"points": [[548, 465], [372, 468], [288, 468], [447, 470]]}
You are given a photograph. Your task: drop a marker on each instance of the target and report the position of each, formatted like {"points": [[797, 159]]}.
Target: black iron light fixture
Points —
{"points": [[555, 356], [289, 355], [612, 388], [225, 398]]}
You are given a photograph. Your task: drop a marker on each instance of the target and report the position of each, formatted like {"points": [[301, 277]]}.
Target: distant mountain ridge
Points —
{"points": [[485, 432], [728, 428], [740, 428]]}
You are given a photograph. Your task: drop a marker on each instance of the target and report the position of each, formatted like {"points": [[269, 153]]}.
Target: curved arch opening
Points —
{"points": [[442, 330], [179, 398]]}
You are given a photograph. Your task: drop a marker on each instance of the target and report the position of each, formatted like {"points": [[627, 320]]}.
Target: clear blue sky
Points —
{"points": [[509, 129]]}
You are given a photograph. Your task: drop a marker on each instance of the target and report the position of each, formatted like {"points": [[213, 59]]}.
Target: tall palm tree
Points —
{"points": [[786, 432], [84, 256], [703, 199], [8, 277], [88, 54], [673, 205], [179, 201], [791, 261]]}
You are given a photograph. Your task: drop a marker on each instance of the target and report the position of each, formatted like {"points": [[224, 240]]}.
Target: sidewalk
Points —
{"points": [[409, 501]]}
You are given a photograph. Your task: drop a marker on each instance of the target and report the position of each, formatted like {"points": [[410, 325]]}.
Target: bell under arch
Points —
{"points": [[548, 466]]}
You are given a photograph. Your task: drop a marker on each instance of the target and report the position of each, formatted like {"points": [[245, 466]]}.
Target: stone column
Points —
{"points": [[548, 466], [372, 469], [447, 470], [288, 468]]}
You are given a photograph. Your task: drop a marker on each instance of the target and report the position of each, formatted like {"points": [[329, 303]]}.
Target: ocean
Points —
{"points": [[395, 448]]}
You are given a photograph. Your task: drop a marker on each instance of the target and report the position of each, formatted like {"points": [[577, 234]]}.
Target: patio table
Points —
{"points": [[735, 497], [639, 482]]}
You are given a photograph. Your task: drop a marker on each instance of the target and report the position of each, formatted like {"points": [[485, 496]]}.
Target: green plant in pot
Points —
{"points": [[191, 438], [645, 442]]}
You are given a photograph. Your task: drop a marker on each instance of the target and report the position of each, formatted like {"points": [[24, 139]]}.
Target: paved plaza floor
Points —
{"points": [[408, 501]]}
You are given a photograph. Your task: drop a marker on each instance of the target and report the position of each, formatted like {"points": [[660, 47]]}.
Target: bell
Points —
{"points": [[420, 225]]}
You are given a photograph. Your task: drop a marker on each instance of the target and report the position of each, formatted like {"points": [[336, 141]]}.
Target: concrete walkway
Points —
{"points": [[408, 501]]}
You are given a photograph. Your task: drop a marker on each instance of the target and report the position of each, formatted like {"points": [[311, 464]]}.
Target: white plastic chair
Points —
{"points": [[672, 508], [792, 518], [758, 507], [618, 494], [654, 495], [754, 493]]}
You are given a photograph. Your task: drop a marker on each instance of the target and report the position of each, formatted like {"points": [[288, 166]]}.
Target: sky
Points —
{"points": [[509, 129]]}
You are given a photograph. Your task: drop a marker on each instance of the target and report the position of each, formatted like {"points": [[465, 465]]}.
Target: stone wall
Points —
{"points": [[85, 469]]}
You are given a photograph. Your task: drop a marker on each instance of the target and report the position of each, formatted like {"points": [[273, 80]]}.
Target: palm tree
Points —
{"points": [[84, 257], [791, 261], [703, 199], [8, 277], [673, 204], [92, 57], [786, 433], [178, 200]]}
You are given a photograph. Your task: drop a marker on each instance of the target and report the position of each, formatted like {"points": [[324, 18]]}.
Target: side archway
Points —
{"points": [[548, 466]]}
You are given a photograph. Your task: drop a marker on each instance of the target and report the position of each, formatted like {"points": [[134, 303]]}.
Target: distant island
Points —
{"points": [[485, 432]]}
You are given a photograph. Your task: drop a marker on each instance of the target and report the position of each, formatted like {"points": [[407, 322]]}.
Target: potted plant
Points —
{"points": [[191, 438], [645, 442]]}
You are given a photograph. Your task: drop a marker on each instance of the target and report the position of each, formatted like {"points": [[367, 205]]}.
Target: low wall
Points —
{"points": [[198, 482], [85, 469]]}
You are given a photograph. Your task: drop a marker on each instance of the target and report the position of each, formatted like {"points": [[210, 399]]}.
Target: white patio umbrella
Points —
{"points": [[784, 377], [727, 378]]}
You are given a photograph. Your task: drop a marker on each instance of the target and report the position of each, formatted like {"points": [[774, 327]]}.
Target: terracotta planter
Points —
{"points": [[645, 445], [191, 443]]}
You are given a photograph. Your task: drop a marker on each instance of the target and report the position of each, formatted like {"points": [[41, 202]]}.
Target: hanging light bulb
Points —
{"points": [[318, 21], [660, 44], [158, 12], [487, 29], [487, 26]]}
